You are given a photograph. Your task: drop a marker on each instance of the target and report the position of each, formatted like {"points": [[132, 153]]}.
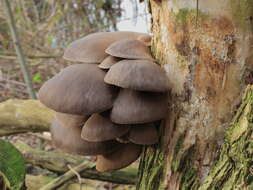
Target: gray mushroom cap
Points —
{"points": [[108, 62], [70, 119], [68, 139], [140, 75], [78, 89], [145, 134], [99, 128], [129, 49], [146, 39], [136, 107], [91, 48], [122, 157]]}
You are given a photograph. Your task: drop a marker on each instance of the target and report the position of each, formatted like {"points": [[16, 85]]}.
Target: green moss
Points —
{"points": [[233, 168], [151, 169], [185, 14], [188, 179], [153, 163], [176, 162], [242, 11], [182, 61], [182, 14]]}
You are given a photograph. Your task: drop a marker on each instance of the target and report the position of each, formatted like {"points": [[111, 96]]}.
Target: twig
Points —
{"points": [[18, 49], [12, 89], [77, 175], [13, 56], [13, 81], [68, 175]]}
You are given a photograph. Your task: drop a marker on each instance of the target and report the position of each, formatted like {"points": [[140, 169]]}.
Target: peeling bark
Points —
{"points": [[206, 50]]}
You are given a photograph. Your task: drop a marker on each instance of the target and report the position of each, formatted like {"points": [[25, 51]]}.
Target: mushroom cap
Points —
{"points": [[118, 159], [123, 139], [78, 89], [141, 75], [91, 48], [136, 107], [146, 39], [68, 139], [70, 119], [99, 128], [145, 134], [129, 49], [108, 62]]}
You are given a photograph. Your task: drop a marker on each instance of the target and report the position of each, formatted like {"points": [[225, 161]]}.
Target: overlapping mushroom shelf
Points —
{"points": [[106, 105]]}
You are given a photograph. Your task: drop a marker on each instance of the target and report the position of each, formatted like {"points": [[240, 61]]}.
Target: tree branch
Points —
{"points": [[13, 56], [19, 116], [58, 162]]}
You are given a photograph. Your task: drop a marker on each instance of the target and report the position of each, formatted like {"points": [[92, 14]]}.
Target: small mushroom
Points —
{"points": [[129, 49], [118, 159], [136, 107], [141, 75], [78, 89], [91, 48], [99, 128], [145, 134], [108, 62], [70, 119], [68, 139]]}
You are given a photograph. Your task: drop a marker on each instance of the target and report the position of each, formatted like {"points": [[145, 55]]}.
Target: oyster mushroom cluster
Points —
{"points": [[107, 103]]}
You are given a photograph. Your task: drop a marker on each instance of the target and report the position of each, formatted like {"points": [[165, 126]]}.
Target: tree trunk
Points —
{"points": [[205, 48]]}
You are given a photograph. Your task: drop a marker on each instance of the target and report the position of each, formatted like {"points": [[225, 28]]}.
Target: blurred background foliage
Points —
{"points": [[45, 28]]}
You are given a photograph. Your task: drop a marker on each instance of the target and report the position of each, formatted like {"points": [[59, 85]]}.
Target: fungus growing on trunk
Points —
{"points": [[108, 62], [122, 157], [91, 48], [144, 136], [70, 119], [139, 75], [78, 89], [100, 128], [129, 49], [108, 109], [68, 139], [137, 107]]}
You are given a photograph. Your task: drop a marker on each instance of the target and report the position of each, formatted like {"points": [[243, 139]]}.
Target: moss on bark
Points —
{"points": [[232, 170]]}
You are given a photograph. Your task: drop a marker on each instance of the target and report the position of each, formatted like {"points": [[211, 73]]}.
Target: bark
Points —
{"points": [[205, 48]]}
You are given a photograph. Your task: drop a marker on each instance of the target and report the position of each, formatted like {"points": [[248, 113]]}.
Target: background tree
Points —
{"points": [[45, 29], [206, 49]]}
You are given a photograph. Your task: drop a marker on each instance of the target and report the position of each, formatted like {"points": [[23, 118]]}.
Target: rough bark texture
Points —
{"points": [[206, 49]]}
